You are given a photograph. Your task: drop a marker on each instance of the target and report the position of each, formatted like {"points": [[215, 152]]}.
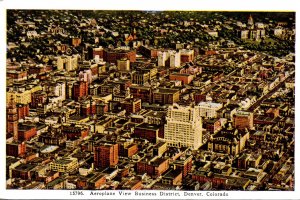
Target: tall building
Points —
{"points": [[106, 155], [80, 89], [168, 58], [68, 63], [85, 75], [184, 127], [174, 59], [57, 89], [162, 58], [243, 119], [12, 119]]}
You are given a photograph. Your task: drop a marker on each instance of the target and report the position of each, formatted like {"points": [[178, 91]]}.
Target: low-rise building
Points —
{"points": [[172, 177], [149, 132], [165, 96], [64, 164], [153, 167]]}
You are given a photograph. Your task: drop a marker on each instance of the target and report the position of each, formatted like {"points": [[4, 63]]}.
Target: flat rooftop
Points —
{"points": [[64, 161], [25, 167], [148, 126], [166, 91]]}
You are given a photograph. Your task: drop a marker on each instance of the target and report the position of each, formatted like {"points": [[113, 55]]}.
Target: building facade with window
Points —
{"points": [[184, 127]]}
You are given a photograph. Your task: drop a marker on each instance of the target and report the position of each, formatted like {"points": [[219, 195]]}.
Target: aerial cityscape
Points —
{"points": [[150, 100]]}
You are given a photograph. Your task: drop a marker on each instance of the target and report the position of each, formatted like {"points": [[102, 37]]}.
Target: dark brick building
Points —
{"points": [[111, 56], [106, 155], [149, 132]]}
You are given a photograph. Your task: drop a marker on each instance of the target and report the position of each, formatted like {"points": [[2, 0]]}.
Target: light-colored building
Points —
{"points": [[209, 109], [32, 34], [260, 25], [184, 127], [57, 89], [174, 59], [56, 30], [85, 76], [64, 164], [123, 64], [169, 58], [23, 95], [278, 31], [244, 34], [105, 98], [68, 63], [212, 33], [162, 58], [19, 97]]}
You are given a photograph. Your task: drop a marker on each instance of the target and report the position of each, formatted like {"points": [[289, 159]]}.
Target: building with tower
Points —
{"points": [[253, 31], [229, 141], [250, 21], [184, 127], [12, 119], [131, 37]]}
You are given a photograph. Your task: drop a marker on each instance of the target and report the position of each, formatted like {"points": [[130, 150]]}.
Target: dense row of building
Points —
{"points": [[148, 117]]}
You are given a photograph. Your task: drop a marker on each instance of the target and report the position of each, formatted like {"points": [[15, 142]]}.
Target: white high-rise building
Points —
{"points": [[174, 59], [86, 76], [162, 58], [183, 127], [172, 56], [57, 89]]}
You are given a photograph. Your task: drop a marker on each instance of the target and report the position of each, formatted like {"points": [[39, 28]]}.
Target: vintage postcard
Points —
{"points": [[148, 101]]}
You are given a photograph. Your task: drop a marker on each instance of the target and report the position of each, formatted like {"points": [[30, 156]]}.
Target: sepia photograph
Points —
{"points": [[148, 103]]}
